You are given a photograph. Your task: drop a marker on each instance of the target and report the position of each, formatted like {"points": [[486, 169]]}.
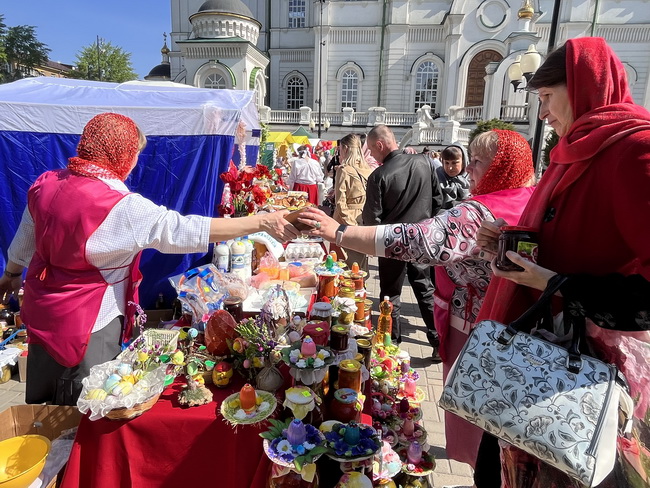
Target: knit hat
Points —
{"points": [[109, 143], [512, 166]]}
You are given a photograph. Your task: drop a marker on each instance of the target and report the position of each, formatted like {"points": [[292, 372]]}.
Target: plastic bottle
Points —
{"points": [[248, 257], [237, 258], [385, 323], [222, 257]]}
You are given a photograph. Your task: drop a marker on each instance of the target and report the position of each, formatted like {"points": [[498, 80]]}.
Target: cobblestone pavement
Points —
{"points": [[447, 472]]}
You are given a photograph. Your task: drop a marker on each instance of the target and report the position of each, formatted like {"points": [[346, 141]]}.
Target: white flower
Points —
{"points": [[318, 362], [264, 406], [308, 446], [325, 353], [240, 414], [347, 305], [284, 446], [301, 364]]}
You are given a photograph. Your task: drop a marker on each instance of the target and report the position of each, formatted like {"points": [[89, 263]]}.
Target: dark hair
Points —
{"points": [[552, 72], [361, 136], [425, 150], [452, 152]]}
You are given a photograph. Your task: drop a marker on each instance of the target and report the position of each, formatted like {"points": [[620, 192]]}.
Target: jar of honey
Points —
{"points": [[519, 239], [339, 338], [345, 406], [321, 312], [350, 374]]}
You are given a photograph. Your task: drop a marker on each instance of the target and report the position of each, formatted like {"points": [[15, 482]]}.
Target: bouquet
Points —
{"points": [[244, 196]]}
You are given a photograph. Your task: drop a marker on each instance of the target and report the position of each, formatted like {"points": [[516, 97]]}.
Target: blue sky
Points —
{"points": [[66, 26]]}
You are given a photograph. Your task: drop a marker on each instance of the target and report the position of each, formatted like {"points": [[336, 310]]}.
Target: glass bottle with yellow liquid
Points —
{"points": [[384, 323]]}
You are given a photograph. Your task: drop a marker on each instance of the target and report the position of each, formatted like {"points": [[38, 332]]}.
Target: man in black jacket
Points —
{"points": [[403, 189]]}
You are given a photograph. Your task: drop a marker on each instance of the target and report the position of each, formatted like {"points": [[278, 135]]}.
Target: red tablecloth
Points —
{"points": [[168, 447]]}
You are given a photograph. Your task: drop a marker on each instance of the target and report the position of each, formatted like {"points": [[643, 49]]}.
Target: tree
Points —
{"points": [[102, 61], [23, 52], [486, 125], [549, 143]]}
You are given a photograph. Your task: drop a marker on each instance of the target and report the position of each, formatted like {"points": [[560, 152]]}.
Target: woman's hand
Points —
{"points": [[9, 286], [487, 237], [275, 224], [322, 225], [533, 275]]}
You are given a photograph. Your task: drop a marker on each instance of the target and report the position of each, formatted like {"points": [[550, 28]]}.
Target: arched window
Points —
{"points": [[215, 80], [295, 93], [349, 89], [426, 85]]}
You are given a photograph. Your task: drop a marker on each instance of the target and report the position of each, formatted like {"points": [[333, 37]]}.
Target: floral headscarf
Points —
{"points": [[109, 143], [512, 166]]}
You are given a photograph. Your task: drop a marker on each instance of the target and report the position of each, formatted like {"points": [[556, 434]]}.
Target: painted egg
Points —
{"points": [[111, 382], [123, 388], [96, 394], [124, 369]]}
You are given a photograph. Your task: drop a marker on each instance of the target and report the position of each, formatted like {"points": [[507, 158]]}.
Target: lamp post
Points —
{"points": [[100, 43], [321, 43], [539, 128]]}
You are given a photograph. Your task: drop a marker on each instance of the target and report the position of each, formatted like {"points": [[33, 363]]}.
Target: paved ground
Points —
{"points": [[447, 473]]}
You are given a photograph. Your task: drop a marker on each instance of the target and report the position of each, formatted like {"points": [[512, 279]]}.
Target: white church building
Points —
{"points": [[429, 68]]}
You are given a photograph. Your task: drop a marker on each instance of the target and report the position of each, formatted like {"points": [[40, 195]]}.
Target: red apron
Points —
{"points": [[63, 291]]}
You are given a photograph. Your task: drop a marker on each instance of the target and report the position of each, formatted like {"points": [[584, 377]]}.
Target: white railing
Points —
{"points": [[401, 119], [466, 114], [514, 113], [432, 136], [463, 136], [284, 116]]}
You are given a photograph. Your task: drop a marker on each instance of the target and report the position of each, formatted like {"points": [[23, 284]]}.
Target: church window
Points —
{"points": [[295, 93], [296, 14], [349, 89], [215, 80], [426, 85]]}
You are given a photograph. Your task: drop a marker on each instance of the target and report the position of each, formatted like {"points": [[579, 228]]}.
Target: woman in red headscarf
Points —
{"points": [[501, 178], [591, 212], [80, 237]]}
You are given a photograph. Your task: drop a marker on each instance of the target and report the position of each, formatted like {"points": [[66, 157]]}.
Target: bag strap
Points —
{"points": [[574, 315]]}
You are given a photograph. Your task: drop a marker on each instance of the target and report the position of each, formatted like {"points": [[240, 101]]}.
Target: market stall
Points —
{"points": [[192, 134]]}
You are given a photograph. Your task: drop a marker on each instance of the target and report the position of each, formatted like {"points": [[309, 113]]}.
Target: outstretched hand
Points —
{"points": [[533, 275], [321, 224], [275, 224]]}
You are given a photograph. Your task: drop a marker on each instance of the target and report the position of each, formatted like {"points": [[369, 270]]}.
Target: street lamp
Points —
{"points": [[515, 74], [524, 67], [312, 125], [100, 50], [321, 43], [327, 124]]}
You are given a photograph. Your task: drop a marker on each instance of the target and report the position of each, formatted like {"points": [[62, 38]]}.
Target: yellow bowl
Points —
{"points": [[22, 459]]}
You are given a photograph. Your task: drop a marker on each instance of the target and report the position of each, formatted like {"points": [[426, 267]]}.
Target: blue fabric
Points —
{"points": [[179, 172]]}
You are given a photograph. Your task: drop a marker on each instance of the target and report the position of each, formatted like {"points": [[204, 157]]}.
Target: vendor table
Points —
{"points": [[169, 446]]}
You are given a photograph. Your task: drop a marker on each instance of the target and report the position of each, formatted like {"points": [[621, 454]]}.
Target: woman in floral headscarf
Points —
{"points": [[80, 237], [501, 177], [591, 212]]}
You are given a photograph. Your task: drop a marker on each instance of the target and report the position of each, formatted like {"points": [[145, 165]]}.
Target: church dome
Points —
{"points": [[226, 6], [162, 72]]}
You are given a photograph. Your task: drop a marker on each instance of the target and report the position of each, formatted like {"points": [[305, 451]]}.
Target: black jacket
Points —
{"points": [[402, 190]]}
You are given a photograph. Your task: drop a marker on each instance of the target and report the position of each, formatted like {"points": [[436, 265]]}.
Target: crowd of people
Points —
{"points": [[434, 217]]}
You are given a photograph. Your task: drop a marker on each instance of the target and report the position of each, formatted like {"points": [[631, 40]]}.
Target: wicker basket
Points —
{"points": [[134, 411]]}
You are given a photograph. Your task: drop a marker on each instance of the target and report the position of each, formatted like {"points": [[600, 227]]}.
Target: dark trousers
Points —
{"points": [[487, 473], [391, 280], [48, 381]]}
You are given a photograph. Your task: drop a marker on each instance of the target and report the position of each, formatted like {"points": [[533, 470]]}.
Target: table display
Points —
{"points": [[299, 390]]}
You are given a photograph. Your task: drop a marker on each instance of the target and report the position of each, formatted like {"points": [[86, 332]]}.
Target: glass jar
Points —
{"points": [[364, 346], [347, 292], [339, 338], [303, 403], [321, 312], [350, 374], [360, 314], [519, 239], [345, 406], [277, 478], [234, 306], [327, 286]]}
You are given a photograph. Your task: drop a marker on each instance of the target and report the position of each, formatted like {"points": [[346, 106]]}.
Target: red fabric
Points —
{"points": [[108, 147], [511, 167], [168, 447], [63, 291], [600, 225], [312, 191]]}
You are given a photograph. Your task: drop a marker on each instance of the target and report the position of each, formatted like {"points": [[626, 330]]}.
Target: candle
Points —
{"points": [[352, 434], [414, 453], [408, 427], [296, 432], [409, 387], [247, 398], [308, 347]]}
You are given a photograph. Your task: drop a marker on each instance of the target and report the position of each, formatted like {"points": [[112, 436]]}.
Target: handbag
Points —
{"points": [[558, 405]]}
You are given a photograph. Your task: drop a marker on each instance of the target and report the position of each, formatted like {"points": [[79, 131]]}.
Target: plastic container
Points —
{"points": [[222, 257], [238, 258], [248, 256]]}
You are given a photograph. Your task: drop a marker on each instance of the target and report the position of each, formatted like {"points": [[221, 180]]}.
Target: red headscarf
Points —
{"points": [[603, 115], [109, 143], [511, 167]]}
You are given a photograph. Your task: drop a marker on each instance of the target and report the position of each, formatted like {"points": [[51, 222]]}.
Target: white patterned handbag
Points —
{"points": [[556, 404]]}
